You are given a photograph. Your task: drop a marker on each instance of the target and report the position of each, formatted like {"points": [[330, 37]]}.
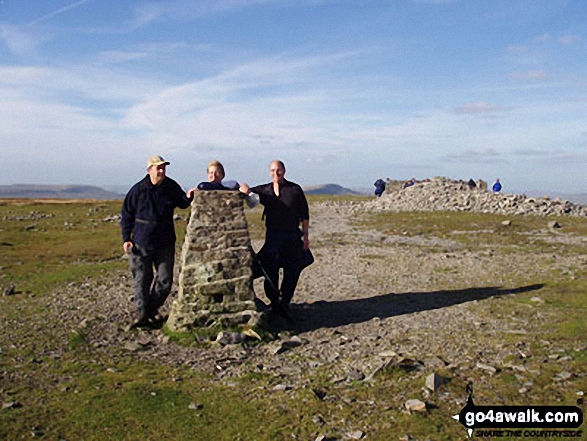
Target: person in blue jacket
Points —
{"points": [[148, 236], [497, 186]]}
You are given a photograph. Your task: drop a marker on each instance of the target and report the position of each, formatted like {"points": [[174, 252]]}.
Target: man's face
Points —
{"points": [[156, 173], [277, 172], [214, 174]]}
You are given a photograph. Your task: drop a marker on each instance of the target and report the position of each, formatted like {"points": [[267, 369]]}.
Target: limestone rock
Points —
{"points": [[415, 405]]}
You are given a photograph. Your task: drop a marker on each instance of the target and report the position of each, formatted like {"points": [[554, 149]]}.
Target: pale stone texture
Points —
{"points": [[215, 283], [443, 194]]}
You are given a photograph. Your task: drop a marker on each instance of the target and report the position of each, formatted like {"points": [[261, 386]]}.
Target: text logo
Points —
{"points": [[515, 417]]}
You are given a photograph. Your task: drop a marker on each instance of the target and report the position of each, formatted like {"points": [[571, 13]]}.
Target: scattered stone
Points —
{"points": [[230, 338], [282, 387], [319, 393], [563, 376], [356, 375], [554, 224], [318, 420], [10, 290], [382, 367], [506, 223], [434, 381], [490, 369], [357, 434], [196, 406], [386, 354], [435, 362], [133, 346], [11, 405], [287, 345], [251, 333], [537, 300], [415, 405], [37, 432]]}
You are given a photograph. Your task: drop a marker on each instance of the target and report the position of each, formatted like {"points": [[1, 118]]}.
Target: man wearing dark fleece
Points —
{"points": [[148, 236]]}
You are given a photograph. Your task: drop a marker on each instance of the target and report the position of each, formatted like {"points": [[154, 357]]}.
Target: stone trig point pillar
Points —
{"points": [[215, 282]]}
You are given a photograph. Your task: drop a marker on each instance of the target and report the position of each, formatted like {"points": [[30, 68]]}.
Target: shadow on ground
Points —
{"points": [[322, 314]]}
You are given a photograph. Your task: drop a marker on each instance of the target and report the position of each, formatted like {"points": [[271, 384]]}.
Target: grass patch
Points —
{"points": [[43, 244], [479, 230]]}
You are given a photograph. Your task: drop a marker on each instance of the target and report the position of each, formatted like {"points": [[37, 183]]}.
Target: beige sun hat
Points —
{"points": [[156, 160]]}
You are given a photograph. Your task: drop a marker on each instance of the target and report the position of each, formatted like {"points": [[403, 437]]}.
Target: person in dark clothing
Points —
{"points": [[286, 245], [148, 236], [216, 174], [379, 187]]}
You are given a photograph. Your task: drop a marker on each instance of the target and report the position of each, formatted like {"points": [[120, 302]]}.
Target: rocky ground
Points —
{"points": [[397, 313], [369, 300]]}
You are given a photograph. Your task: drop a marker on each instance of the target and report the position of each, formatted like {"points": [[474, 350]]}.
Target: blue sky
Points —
{"points": [[343, 91]]}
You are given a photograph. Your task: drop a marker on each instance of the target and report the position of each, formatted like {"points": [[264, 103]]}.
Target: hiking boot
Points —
{"points": [[260, 305], [139, 319], [285, 311]]}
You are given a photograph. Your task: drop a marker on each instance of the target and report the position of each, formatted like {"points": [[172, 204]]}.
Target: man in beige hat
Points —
{"points": [[148, 236]]}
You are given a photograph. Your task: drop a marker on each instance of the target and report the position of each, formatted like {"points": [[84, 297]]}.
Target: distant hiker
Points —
{"points": [[482, 185], [471, 184], [149, 237], [409, 183], [286, 246], [379, 187], [497, 186]]}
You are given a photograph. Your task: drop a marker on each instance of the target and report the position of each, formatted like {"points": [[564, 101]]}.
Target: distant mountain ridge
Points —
{"points": [[331, 189], [32, 191]]}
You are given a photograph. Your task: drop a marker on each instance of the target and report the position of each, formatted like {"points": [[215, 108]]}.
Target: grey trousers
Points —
{"points": [[152, 271]]}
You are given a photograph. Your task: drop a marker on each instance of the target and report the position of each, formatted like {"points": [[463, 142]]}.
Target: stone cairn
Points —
{"points": [[443, 194], [215, 282]]}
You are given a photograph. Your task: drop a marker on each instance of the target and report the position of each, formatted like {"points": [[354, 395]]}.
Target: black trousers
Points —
{"points": [[281, 250]]}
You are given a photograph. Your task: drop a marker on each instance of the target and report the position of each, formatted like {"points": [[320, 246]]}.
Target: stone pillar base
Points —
{"points": [[216, 280]]}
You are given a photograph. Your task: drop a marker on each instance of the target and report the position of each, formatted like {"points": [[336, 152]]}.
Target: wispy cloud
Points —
{"points": [[19, 41], [558, 156], [189, 9], [481, 156], [57, 12], [530, 75], [478, 107], [567, 40]]}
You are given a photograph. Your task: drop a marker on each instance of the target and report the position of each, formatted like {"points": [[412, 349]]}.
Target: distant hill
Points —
{"points": [[29, 191], [332, 189]]}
